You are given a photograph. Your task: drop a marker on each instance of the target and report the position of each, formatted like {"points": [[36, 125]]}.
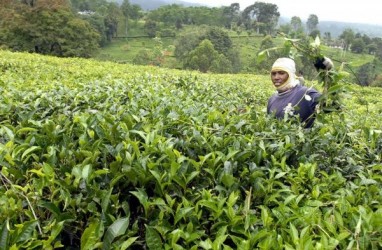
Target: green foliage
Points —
{"points": [[231, 15], [47, 28], [87, 5], [297, 27], [366, 74], [103, 155], [348, 36], [315, 33], [202, 57], [175, 15], [170, 15], [144, 57], [110, 14], [377, 81], [221, 65], [358, 46], [189, 47], [261, 16], [219, 38], [311, 23], [156, 56], [98, 23], [151, 28]]}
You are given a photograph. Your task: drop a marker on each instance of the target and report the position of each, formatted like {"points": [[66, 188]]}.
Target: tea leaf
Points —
{"points": [[4, 236], [115, 230], [153, 239]]}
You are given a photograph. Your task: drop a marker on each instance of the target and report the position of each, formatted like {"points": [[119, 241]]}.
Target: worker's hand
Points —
{"points": [[328, 63], [324, 63]]}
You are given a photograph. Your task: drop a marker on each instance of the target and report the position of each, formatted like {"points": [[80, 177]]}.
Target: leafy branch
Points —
{"points": [[16, 188]]}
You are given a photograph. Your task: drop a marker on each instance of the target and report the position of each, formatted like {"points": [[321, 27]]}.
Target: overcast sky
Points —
{"points": [[365, 11]]}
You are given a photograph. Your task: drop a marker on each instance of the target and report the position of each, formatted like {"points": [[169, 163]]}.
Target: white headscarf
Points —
{"points": [[289, 66]]}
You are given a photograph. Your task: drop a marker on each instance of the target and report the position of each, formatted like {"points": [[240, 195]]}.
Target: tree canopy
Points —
{"points": [[46, 27], [262, 16]]}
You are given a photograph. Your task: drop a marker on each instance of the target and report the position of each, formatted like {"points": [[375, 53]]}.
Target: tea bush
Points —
{"points": [[109, 156]]}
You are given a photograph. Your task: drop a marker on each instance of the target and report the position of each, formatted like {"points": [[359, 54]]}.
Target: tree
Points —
{"points": [[102, 15], [358, 46], [189, 40], [366, 73], [47, 27], [151, 28], [111, 20], [219, 38], [221, 64], [87, 5], [235, 60], [205, 15], [135, 12], [266, 16], [371, 48], [177, 15], [125, 7], [231, 15], [315, 33], [144, 57], [156, 56], [130, 11], [97, 21], [378, 44], [367, 39], [377, 82], [178, 24], [348, 37], [202, 57], [286, 29], [173, 14], [297, 27], [312, 23], [328, 37], [30, 3]]}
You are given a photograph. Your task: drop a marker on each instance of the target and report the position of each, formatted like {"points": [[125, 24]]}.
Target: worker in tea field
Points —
{"points": [[292, 98]]}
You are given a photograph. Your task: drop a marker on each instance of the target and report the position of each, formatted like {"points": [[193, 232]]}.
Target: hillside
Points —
{"points": [[154, 4], [336, 28]]}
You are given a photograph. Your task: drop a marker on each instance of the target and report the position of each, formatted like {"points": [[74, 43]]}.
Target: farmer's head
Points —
{"points": [[283, 74]]}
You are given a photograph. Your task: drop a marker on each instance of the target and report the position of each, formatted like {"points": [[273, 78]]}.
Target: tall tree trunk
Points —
{"points": [[126, 25]]}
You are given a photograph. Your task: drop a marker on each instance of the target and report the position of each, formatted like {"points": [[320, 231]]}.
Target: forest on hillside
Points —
{"points": [[335, 28], [148, 5], [202, 35]]}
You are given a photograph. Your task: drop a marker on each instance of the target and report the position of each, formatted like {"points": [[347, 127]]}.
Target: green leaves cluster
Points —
{"points": [[47, 27], [207, 50], [107, 156]]}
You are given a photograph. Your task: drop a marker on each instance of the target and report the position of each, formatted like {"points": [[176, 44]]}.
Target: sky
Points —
{"points": [[365, 11]]}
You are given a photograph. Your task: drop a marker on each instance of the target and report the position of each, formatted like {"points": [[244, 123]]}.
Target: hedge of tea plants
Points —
{"points": [[98, 155]]}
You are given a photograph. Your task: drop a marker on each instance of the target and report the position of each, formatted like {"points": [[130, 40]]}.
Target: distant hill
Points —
{"points": [[335, 28]]}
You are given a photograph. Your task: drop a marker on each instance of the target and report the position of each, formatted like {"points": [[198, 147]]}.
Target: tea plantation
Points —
{"points": [[99, 155]]}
